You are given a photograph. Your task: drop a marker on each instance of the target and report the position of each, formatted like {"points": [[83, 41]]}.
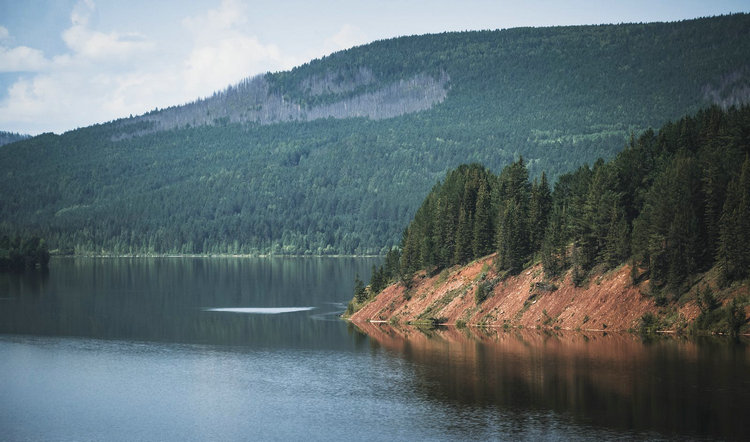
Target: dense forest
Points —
{"points": [[21, 254], [675, 203], [331, 168]]}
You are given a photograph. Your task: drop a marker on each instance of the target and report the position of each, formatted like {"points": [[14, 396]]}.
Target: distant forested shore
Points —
{"points": [[19, 254]]}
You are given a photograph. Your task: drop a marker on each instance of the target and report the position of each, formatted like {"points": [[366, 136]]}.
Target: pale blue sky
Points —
{"points": [[71, 63]]}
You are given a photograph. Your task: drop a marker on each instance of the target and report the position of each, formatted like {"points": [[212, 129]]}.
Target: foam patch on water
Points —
{"points": [[260, 310]]}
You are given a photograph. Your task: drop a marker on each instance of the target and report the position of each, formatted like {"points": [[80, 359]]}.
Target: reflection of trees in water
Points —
{"points": [[673, 386], [163, 299], [31, 283]]}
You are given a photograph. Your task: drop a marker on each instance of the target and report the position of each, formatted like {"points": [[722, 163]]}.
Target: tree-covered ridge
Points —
{"points": [[11, 137], [558, 97], [675, 203]]}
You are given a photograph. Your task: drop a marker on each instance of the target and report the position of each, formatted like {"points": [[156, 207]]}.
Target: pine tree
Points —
{"points": [[392, 264], [512, 230], [733, 256], [617, 242], [539, 210], [445, 234], [512, 239], [410, 261], [376, 280], [463, 250], [360, 294], [483, 231], [553, 245]]}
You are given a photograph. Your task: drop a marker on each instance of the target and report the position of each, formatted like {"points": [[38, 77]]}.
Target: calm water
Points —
{"points": [[250, 349]]}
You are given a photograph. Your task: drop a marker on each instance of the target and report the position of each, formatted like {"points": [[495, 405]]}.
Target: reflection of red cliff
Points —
{"points": [[608, 301]]}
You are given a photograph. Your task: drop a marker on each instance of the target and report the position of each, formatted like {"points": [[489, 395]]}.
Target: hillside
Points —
{"points": [[335, 156], [663, 228], [609, 302]]}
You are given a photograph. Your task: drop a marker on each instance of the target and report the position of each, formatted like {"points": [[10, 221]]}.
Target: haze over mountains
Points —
{"points": [[336, 155]]}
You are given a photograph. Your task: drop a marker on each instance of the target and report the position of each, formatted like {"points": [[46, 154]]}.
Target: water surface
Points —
{"points": [[251, 349]]}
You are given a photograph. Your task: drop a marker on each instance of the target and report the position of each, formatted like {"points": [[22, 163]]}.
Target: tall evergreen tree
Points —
{"points": [[360, 294], [464, 229], [734, 227], [512, 239], [483, 229], [554, 244], [539, 210], [617, 243]]}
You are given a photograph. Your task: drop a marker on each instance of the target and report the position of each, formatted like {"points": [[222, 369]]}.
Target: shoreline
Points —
{"points": [[542, 329], [210, 255]]}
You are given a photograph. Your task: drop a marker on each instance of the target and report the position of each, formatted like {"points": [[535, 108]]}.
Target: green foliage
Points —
{"points": [[540, 207], [733, 253], [10, 137], [553, 250], [484, 290], [706, 300], [649, 324], [655, 204], [647, 206], [20, 254], [483, 222], [381, 277], [715, 318], [444, 230], [513, 230], [557, 96], [360, 292]]}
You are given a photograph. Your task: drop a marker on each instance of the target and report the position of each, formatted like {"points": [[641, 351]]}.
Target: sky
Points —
{"points": [[66, 64]]}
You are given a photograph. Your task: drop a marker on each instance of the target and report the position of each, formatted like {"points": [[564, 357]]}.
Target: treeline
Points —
{"points": [[19, 254], [11, 137], [674, 203]]}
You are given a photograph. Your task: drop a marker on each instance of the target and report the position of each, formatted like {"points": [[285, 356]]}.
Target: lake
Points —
{"points": [[252, 349]]}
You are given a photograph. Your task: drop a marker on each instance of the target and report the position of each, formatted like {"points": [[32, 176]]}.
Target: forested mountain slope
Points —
{"points": [[10, 137], [335, 156]]}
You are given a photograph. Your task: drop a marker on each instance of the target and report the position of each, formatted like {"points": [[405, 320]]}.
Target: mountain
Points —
{"points": [[335, 156]]}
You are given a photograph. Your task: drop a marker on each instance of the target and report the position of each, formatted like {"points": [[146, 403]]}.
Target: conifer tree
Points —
{"points": [[734, 227], [463, 250], [360, 294], [553, 245], [539, 210], [483, 231], [617, 242], [512, 239]]}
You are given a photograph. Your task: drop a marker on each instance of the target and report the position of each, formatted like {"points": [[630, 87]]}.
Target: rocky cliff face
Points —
{"points": [[607, 302]]}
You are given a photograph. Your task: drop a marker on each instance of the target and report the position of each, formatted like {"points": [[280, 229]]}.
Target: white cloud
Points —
{"points": [[348, 36], [216, 22], [224, 52], [94, 82], [22, 59], [94, 45], [98, 45], [108, 74]]}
